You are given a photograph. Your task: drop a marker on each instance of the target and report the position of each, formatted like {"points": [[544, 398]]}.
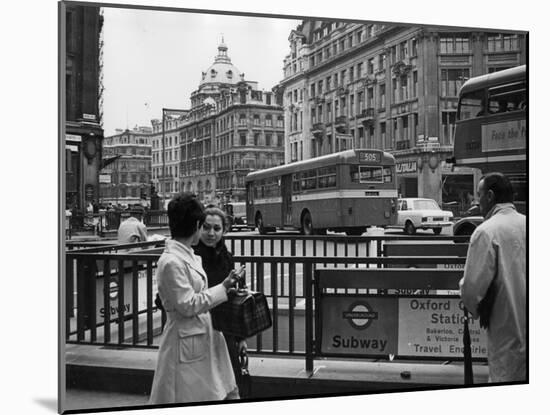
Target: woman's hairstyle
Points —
{"points": [[501, 187], [215, 211], [184, 211]]}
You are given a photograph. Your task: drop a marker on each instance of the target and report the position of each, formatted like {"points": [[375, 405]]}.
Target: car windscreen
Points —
{"points": [[425, 205]]}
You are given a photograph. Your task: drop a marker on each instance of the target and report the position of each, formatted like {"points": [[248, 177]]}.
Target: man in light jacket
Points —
{"points": [[494, 284]]}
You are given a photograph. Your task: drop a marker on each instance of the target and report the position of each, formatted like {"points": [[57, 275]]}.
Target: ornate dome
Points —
{"points": [[222, 70]]}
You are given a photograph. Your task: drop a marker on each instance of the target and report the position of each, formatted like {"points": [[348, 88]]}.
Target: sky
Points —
{"points": [[154, 59]]}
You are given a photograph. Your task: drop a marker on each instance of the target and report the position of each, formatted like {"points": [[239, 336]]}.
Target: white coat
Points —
{"points": [[498, 251], [193, 362]]}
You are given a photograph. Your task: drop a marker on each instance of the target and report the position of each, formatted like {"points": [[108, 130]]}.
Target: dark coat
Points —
{"points": [[218, 263]]}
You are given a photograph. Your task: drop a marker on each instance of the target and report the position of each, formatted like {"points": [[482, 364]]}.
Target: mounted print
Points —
{"points": [[361, 184]]}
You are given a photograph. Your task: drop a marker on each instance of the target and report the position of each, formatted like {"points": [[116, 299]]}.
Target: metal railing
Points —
{"points": [[110, 292]]}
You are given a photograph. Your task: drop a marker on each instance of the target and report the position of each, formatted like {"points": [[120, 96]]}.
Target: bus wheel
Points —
{"points": [[260, 224], [307, 224], [437, 231], [409, 228], [355, 231]]}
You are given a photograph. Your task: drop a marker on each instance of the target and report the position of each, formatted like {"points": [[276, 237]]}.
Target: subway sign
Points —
{"points": [[369, 157]]}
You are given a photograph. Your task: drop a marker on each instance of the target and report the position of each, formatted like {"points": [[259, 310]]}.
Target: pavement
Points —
{"points": [[107, 377]]}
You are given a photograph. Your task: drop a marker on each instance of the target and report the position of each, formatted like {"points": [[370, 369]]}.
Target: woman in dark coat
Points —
{"points": [[218, 262]]}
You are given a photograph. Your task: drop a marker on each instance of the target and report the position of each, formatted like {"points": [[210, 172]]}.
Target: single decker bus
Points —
{"points": [[342, 192], [491, 132]]}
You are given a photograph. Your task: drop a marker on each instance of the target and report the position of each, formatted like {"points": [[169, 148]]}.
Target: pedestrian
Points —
{"points": [[193, 362], [218, 262], [132, 229], [494, 284]]}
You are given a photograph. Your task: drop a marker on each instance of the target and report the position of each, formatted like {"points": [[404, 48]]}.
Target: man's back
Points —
{"points": [[497, 256]]}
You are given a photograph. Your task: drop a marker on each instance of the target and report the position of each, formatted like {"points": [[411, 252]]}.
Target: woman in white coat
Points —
{"points": [[193, 362]]}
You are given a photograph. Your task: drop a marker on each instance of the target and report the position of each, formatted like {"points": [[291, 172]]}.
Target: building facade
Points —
{"points": [[126, 180], [389, 87], [81, 82], [232, 128]]}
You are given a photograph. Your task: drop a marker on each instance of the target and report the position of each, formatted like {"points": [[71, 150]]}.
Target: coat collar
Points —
{"points": [[186, 254], [498, 208]]}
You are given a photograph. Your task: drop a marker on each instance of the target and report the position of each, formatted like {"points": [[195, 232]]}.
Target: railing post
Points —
{"points": [[308, 269]]}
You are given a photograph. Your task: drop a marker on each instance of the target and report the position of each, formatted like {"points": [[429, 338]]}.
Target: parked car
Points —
{"points": [[466, 225], [236, 216], [420, 213]]}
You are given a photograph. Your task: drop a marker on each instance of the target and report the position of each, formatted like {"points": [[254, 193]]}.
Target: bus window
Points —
{"points": [[507, 97], [367, 174], [296, 183], [309, 180], [327, 177], [471, 105]]}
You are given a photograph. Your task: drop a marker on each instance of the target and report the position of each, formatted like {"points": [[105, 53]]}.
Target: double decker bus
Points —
{"points": [[491, 132], [343, 192]]}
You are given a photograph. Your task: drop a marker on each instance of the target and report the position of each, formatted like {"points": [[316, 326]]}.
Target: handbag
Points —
{"points": [[244, 314]]}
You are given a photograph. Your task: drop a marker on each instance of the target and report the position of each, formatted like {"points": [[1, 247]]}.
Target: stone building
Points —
{"points": [[126, 180], [389, 87], [81, 53], [232, 128]]}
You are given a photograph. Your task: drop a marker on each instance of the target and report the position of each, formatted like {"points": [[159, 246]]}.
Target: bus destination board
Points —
{"points": [[369, 157]]}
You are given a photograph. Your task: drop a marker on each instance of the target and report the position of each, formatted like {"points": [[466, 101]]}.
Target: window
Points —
{"points": [[370, 174], [242, 139], [327, 82], [309, 180], [454, 44], [351, 74], [382, 96], [414, 47], [359, 69], [415, 84], [268, 139], [370, 66], [312, 90], [343, 77], [360, 102], [381, 62], [320, 87], [404, 88], [511, 97], [327, 177], [471, 105], [502, 43], [448, 121], [452, 80]]}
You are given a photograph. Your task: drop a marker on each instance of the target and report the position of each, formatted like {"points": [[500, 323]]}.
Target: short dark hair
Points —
{"points": [[184, 211], [501, 187], [216, 211]]}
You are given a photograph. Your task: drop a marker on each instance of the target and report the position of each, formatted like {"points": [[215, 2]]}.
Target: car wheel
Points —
{"points": [[409, 228], [307, 224], [437, 231]]}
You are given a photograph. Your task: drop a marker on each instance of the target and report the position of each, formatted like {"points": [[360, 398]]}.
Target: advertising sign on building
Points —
{"points": [[104, 178], [406, 167]]}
